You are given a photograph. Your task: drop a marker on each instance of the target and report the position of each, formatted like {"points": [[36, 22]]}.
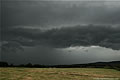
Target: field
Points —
{"points": [[58, 74]]}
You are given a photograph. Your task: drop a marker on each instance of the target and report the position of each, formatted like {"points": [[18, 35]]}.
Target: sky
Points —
{"points": [[59, 31]]}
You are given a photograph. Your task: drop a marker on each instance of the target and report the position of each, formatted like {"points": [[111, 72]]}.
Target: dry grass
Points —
{"points": [[58, 74]]}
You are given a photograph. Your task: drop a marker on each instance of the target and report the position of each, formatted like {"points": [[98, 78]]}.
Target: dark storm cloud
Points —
{"points": [[21, 29], [52, 13], [23, 36], [44, 47], [83, 36], [57, 13], [36, 55], [105, 36]]}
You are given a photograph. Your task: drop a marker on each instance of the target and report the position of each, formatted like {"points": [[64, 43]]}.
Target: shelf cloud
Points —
{"points": [[106, 36], [45, 30]]}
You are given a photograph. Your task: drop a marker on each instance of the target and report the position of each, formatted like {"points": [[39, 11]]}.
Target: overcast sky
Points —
{"points": [[59, 13], [68, 25]]}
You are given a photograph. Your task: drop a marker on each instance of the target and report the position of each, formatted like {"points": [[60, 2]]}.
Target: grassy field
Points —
{"points": [[58, 74]]}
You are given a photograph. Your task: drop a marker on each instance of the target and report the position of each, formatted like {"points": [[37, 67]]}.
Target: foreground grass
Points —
{"points": [[58, 74]]}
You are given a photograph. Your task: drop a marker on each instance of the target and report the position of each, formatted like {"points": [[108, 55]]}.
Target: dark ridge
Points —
{"points": [[108, 65]]}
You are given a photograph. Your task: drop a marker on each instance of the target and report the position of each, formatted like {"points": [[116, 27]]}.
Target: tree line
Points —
{"points": [[109, 65]]}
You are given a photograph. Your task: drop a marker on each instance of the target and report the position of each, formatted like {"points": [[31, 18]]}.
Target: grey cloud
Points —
{"points": [[35, 55], [100, 35], [47, 55], [84, 36], [60, 13], [40, 46], [55, 13]]}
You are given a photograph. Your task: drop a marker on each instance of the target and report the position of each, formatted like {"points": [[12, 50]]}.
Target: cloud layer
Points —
{"points": [[79, 35], [59, 13], [48, 14]]}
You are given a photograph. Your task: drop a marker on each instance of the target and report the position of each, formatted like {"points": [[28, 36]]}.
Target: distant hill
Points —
{"points": [[110, 65]]}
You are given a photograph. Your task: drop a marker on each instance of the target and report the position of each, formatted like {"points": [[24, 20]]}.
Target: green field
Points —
{"points": [[58, 74]]}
